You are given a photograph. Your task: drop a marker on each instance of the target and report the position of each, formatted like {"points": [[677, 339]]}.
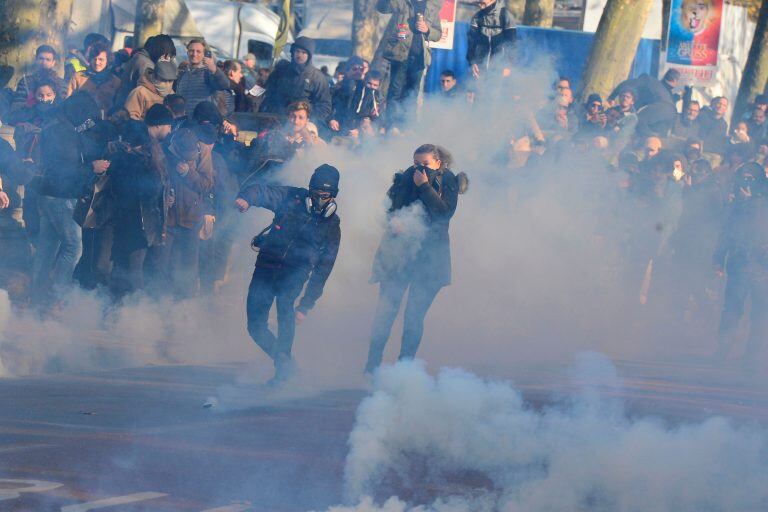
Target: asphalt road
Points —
{"points": [[141, 439]]}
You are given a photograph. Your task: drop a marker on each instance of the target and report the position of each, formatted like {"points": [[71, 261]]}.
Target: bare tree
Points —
{"points": [[26, 24], [755, 77], [517, 9], [365, 22], [149, 20], [614, 46], [539, 13]]}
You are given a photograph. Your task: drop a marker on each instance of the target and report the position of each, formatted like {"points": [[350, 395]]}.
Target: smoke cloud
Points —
{"points": [[478, 446]]}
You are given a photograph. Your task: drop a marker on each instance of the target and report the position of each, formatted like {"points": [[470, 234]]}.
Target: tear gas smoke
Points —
{"points": [[421, 434]]}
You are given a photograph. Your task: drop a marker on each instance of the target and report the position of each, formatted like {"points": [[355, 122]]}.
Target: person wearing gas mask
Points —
{"points": [[301, 244], [154, 86], [742, 255], [415, 253]]}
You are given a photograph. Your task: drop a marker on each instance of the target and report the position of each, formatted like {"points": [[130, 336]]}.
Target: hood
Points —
{"points": [[305, 43], [146, 81]]}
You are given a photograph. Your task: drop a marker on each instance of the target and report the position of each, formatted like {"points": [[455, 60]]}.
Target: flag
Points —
{"points": [[282, 30]]}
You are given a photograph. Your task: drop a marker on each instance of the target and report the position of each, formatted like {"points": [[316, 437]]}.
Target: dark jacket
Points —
{"points": [[401, 29], [353, 101], [648, 90], [67, 154], [492, 35], [431, 262], [13, 172], [289, 83], [298, 241], [743, 243], [713, 131], [139, 184], [24, 96]]}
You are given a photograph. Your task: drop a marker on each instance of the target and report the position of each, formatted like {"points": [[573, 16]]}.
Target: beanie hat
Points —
{"points": [[325, 178], [158, 115], [306, 44], [184, 144], [355, 61], [207, 112], [166, 71], [594, 98]]}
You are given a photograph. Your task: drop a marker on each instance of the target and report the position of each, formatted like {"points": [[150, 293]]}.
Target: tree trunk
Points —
{"points": [[25, 25], [365, 23], [755, 77], [614, 46], [539, 13], [149, 21], [517, 9]]}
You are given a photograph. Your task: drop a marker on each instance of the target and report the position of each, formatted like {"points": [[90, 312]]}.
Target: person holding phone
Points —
{"points": [[201, 78], [415, 253]]}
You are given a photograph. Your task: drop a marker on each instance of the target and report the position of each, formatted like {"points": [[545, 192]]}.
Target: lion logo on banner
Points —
{"points": [[695, 14]]}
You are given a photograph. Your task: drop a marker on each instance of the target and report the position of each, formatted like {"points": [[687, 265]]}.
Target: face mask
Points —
{"points": [[163, 88]]}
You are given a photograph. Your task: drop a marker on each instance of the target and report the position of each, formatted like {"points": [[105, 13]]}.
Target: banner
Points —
{"points": [[282, 30], [447, 24], [694, 39]]}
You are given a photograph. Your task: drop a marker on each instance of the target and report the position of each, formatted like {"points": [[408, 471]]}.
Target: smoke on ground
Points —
{"points": [[458, 443]]}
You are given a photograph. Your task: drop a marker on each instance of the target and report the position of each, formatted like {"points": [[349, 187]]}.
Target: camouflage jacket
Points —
{"points": [[401, 29]]}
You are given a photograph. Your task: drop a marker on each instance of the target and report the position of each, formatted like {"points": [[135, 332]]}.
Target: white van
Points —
{"points": [[329, 23], [232, 29]]}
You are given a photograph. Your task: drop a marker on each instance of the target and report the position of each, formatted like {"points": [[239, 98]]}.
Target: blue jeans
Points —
{"points": [[391, 292], [59, 246]]}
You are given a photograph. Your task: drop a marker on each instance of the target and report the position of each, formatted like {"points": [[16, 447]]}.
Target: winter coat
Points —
{"points": [[647, 89], [103, 93], [24, 96], [13, 172], [190, 190], [713, 131], [139, 184], [198, 84], [289, 83], [298, 241], [427, 258], [492, 35], [132, 73], [142, 98], [743, 243], [398, 36], [353, 101], [67, 154], [685, 129]]}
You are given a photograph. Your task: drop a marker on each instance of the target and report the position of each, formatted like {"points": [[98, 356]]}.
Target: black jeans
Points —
{"points": [[268, 286], [420, 298], [404, 85]]}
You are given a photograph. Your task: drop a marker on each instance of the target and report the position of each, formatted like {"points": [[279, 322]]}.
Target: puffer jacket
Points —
{"points": [[401, 28]]}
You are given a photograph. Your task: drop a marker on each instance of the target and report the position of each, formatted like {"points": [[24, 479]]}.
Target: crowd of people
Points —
{"points": [[134, 167]]}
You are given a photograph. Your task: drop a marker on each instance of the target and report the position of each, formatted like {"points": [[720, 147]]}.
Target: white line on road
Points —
{"points": [[110, 502], [229, 508], [21, 448]]}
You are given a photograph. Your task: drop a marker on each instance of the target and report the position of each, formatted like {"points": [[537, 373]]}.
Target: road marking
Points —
{"points": [[110, 502], [31, 486], [229, 508], [21, 448]]}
